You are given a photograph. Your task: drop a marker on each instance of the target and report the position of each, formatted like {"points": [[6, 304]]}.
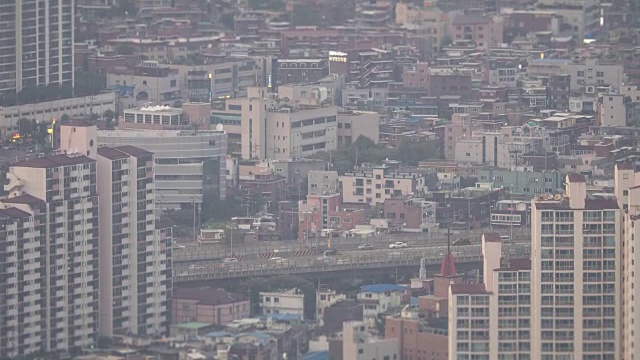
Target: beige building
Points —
{"points": [[373, 186], [459, 128], [615, 109], [358, 344], [352, 125], [492, 148], [627, 192], [492, 320], [49, 272], [279, 128], [576, 275], [151, 82]]}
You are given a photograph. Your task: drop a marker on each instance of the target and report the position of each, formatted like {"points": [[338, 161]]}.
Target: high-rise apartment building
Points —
{"points": [[36, 44], [135, 257], [576, 275], [49, 256], [492, 320], [627, 189]]}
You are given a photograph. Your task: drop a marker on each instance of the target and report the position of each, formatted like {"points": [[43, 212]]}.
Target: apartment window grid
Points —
{"points": [[559, 291], [472, 327], [514, 314]]}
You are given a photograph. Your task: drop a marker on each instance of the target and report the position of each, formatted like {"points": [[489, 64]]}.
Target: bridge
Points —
{"points": [[188, 271]]}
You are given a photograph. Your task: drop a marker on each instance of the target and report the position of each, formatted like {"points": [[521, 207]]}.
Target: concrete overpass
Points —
{"points": [[376, 260]]}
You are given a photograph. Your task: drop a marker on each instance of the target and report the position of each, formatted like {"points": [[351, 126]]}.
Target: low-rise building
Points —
{"points": [[301, 71], [210, 306], [378, 299], [150, 82], [352, 125], [373, 186], [322, 182], [325, 298], [410, 214], [358, 344], [284, 302], [326, 213]]}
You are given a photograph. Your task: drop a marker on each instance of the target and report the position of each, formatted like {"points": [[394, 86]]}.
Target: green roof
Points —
{"points": [[192, 325]]}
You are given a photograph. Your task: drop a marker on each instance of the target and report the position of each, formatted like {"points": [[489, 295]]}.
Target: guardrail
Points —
{"points": [[211, 252], [194, 272]]}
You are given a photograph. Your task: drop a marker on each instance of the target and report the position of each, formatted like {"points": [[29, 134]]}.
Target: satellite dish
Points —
{"points": [[219, 127]]}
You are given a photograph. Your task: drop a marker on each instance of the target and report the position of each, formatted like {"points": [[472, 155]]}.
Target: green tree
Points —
{"points": [[87, 83], [468, 181], [41, 134], [109, 118], [25, 127]]}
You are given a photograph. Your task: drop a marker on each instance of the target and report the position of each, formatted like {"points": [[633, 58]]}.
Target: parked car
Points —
{"points": [[365, 247], [461, 242], [330, 252], [398, 245], [230, 260]]}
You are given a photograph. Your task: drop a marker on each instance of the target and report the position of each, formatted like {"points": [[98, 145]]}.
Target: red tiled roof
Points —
{"points": [[491, 237], [468, 289], [574, 177], [448, 268]]}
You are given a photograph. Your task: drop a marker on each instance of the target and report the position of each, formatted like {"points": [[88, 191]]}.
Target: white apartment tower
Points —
{"points": [[492, 320], [576, 276], [627, 188], [135, 257], [49, 260], [36, 44]]}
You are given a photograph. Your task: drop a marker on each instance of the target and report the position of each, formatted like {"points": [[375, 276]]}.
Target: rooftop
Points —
{"points": [[492, 237], [24, 199], [380, 288], [53, 161], [471, 289], [12, 213], [192, 325], [207, 296]]}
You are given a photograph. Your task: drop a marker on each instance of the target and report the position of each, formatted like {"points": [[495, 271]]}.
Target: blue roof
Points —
{"points": [[414, 301], [317, 355], [285, 317], [382, 288], [216, 334]]}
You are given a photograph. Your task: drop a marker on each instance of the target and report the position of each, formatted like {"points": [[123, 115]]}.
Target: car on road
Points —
{"points": [[365, 247], [398, 245], [230, 260], [505, 239], [278, 259], [178, 246], [461, 242], [330, 252]]}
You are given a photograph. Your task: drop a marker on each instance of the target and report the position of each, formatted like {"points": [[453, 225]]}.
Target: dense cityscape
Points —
{"points": [[319, 179]]}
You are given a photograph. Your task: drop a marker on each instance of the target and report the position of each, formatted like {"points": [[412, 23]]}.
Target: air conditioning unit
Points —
{"points": [[590, 90]]}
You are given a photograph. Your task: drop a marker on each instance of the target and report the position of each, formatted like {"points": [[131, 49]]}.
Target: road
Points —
{"points": [[293, 248], [202, 270]]}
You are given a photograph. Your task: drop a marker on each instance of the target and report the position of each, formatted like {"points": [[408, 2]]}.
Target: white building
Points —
{"points": [[135, 266], [326, 298], [492, 320], [322, 182], [358, 344], [189, 166], [381, 298], [627, 192], [50, 271], [576, 276], [155, 115], [285, 302], [279, 128]]}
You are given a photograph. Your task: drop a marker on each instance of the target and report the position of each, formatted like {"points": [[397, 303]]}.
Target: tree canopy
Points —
{"points": [[364, 150]]}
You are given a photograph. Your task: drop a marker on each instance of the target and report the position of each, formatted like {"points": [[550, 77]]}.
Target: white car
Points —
{"points": [[278, 259], [230, 260], [398, 245]]}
